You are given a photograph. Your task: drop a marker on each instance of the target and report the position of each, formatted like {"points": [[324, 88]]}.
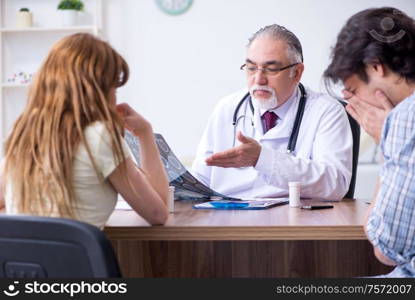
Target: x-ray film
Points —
{"points": [[187, 187]]}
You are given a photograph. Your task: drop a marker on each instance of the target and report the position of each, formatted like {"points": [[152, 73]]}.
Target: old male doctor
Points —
{"points": [[243, 151]]}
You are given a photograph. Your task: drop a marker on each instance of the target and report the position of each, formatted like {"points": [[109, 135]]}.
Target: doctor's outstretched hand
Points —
{"points": [[244, 155]]}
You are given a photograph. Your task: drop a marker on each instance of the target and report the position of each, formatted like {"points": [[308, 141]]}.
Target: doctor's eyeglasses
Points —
{"points": [[252, 69]]}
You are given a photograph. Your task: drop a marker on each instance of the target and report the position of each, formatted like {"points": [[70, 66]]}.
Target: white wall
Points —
{"points": [[182, 65]]}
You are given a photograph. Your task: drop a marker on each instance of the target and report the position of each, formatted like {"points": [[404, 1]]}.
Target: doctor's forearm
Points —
{"points": [[329, 183], [318, 179]]}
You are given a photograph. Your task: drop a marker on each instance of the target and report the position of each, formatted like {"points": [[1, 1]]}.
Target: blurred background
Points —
{"points": [[182, 65]]}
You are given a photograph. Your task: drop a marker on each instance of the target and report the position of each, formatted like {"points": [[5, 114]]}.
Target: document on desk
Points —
{"points": [[187, 187], [260, 203]]}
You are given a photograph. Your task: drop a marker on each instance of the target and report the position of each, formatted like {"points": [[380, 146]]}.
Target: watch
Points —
{"points": [[174, 7]]}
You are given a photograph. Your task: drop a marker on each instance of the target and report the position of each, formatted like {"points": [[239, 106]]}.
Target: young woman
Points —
{"points": [[66, 156]]}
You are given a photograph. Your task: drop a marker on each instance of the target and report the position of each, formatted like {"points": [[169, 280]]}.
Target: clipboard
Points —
{"points": [[242, 204]]}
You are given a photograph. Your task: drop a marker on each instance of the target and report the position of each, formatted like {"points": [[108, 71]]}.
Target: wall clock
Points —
{"points": [[174, 7]]}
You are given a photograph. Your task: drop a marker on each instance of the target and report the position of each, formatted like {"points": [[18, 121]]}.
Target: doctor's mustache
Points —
{"points": [[258, 87]]}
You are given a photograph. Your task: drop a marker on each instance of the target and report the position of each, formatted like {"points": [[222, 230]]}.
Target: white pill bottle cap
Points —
{"points": [[294, 184]]}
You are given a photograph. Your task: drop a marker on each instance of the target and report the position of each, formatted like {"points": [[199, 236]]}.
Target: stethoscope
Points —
{"points": [[297, 122]]}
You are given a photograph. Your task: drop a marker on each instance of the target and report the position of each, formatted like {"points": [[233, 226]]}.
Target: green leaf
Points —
{"points": [[71, 4]]}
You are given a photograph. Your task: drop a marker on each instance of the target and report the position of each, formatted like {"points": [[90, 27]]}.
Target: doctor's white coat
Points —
{"points": [[322, 160]]}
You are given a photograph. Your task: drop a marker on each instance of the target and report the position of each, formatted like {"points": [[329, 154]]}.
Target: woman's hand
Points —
{"points": [[133, 121]]}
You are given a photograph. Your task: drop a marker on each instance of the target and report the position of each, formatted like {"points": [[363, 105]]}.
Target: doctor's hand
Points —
{"points": [[244, 155], [370, 117]]}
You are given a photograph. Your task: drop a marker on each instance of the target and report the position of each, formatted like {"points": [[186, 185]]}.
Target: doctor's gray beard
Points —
{"points": [[266, 104]]}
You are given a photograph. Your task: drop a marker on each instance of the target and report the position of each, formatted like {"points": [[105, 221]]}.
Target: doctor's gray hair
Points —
{"points": [[278, 32]]}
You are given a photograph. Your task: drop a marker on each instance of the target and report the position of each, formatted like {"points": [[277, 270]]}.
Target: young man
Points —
{"points": [[374, 58], [243, 151]]}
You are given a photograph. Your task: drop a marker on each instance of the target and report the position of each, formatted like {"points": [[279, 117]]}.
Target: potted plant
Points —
{"points": [[70, 10], [24, 18]]}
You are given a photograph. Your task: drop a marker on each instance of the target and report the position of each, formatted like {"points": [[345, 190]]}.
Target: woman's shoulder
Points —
{"points": [[98, 138], [96, 129], [99, 141], [97, 133]]}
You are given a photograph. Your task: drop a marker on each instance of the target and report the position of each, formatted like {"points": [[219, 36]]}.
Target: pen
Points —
{"points": [[316, 206]]}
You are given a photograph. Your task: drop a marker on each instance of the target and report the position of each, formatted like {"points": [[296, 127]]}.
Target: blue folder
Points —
{"points": [[241, 205]]}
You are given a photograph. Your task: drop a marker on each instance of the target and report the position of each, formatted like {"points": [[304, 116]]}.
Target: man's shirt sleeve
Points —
{"points": [[391, 224]]}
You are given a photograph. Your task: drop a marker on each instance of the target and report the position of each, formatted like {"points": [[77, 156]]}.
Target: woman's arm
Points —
{"points": [[152, 165], [139, 193], [149, 192]]}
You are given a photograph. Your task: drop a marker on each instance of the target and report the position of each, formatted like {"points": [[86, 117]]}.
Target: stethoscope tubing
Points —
{"points": [[297, 122]]}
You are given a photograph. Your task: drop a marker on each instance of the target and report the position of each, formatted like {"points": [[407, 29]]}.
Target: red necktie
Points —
{"points": [[270, 119]]}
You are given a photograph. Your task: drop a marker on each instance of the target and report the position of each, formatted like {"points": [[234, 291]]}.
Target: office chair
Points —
{"points": [[355, 127], [42, 247]]}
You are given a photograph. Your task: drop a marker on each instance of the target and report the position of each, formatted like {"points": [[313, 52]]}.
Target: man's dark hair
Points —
{"points": [[383, 35]]}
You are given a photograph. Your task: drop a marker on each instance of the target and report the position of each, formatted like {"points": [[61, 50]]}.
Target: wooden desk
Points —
{"points": [[278, 242]]}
